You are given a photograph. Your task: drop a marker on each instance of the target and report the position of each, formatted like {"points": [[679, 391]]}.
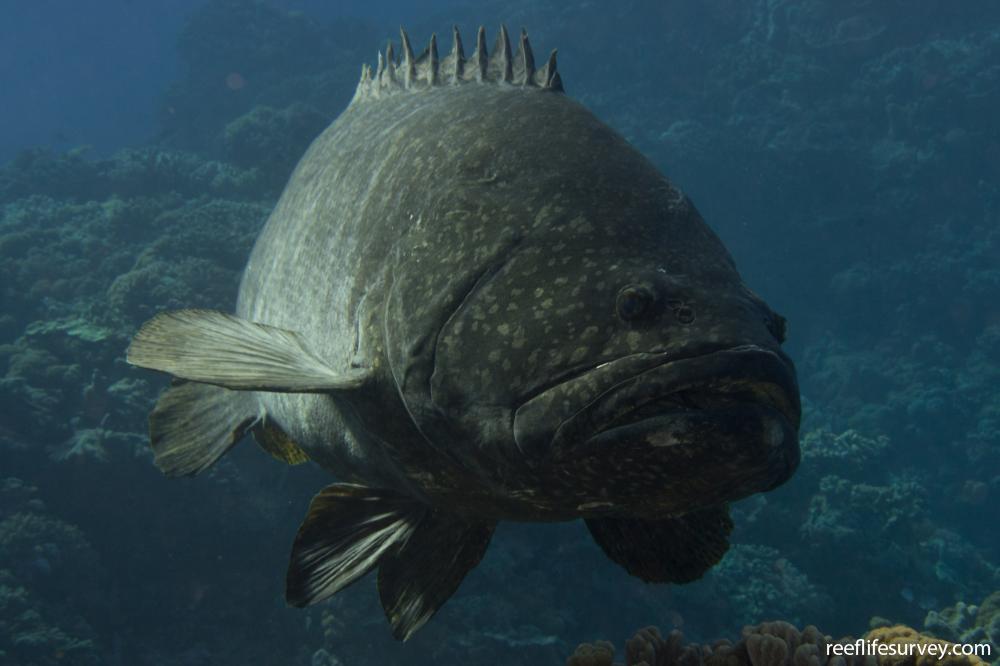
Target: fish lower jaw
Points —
{"points": [[693, 399]]}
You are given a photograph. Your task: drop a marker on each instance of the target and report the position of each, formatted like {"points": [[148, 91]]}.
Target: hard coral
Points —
{"points": [[968, 623], [601, 653], [766, 644], [759, 581], [901, 635], [273, 140]]}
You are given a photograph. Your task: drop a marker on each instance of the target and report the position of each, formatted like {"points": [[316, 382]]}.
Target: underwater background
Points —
{"points": [[846, 151]]}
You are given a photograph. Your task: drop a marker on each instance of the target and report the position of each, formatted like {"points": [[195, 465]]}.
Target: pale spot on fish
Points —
{"points": [[662, 438], [586, 506]]}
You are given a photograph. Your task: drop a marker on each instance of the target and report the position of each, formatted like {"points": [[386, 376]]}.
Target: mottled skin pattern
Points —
{"points": [[468, 243]]}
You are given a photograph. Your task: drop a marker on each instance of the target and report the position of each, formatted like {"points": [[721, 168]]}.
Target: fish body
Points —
{"points": [[476, 302]]}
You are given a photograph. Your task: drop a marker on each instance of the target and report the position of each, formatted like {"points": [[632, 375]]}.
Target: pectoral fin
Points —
{"points": [[217, 348], [348, 529], [420, 575], [193, 425], [673, 550]]}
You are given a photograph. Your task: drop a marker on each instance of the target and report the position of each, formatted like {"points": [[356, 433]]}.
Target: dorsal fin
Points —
{"points": [[428, 71]]}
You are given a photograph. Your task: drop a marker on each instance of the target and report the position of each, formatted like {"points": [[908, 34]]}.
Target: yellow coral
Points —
{"points": [[902, 635], [601, 653]]}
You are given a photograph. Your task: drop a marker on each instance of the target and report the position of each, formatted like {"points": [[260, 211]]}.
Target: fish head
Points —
{"points": [[564, 321], [626, 364]]}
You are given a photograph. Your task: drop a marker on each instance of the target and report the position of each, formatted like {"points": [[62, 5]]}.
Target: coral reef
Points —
{"points": [[900, 635], [41, 558], [968, 623], [846, 453], [776, 644], [759, 581], [31, 636], [273, 140]]}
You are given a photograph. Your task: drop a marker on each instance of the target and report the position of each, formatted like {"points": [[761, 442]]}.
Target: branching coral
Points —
{"points": [[758, 581], [848, 452]]}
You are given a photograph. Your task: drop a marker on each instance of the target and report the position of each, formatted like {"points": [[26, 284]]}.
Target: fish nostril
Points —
{"points": [[683, 312]]}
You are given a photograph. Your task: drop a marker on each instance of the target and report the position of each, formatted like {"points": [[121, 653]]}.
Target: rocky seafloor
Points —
{"points": [[845, 151]]}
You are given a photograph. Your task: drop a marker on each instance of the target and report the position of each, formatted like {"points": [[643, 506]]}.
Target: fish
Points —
{"points": [[476, 302]]}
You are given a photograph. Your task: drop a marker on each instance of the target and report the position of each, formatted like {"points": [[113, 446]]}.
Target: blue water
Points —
{"points": [[93, 73], [847, 154]]}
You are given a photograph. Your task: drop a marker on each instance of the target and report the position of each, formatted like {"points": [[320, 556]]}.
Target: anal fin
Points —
{"points": [[418, 577], [673, 550], [347, 530], [193, 425], [276, 442], [218, 348]]}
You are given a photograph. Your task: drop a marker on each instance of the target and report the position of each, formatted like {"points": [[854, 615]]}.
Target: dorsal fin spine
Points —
{"points": [[429, 70], [432, 62], [525, 60], [545, 75], [458, 55], [480, 56], [388, 79], [409, 62], [500, 59]]}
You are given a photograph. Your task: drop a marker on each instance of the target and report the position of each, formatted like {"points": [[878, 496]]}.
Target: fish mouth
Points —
{"points": [[736, 408]]}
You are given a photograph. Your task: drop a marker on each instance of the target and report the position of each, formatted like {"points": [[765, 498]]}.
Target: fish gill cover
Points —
{"points": [[844, 152]]}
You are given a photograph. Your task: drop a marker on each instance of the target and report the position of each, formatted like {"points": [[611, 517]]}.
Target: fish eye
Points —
{"points": [[633, 302]]}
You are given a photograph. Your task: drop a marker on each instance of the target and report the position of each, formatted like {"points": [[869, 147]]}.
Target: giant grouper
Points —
{"points": [[476, 302]]}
